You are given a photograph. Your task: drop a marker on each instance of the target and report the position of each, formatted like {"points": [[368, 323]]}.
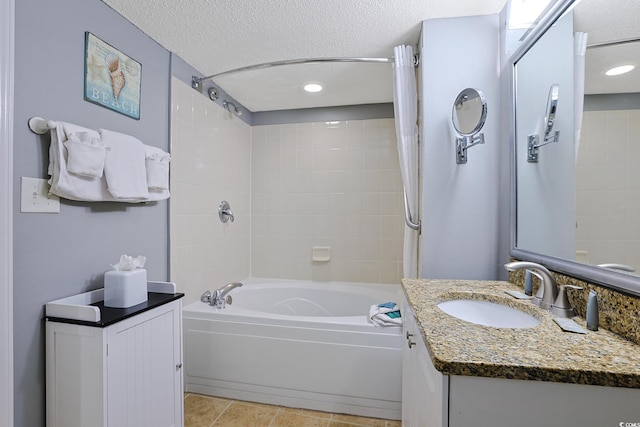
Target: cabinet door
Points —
{"points": [[144, 380], [408, 328], [75, 382], [431, 389], [424, 390]]}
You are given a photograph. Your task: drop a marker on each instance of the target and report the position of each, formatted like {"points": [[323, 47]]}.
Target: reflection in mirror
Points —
{"points": [[468, 115], [533, 141], [550, 112], [545, 201], [591, 228]]}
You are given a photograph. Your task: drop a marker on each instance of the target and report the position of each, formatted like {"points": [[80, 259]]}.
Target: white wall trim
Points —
{"points": [[7, 25]]}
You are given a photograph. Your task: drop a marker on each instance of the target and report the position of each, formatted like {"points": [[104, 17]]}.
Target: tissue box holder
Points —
{"points": [[123, 289]]}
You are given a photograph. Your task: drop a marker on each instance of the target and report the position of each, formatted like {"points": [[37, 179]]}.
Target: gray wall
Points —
{"points": [[461, 204], [57, 255]]}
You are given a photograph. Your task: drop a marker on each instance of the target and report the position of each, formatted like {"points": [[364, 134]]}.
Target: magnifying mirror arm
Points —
{"points": [[463, 143], [533, 144], [549, 119], [550, 137]]}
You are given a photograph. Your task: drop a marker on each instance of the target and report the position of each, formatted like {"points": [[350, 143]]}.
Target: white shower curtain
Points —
{"points": [[405, 106], [580, 48]]}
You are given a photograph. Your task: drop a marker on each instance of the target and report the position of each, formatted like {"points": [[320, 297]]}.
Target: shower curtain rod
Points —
{"points": [[195, 81], [615, 43]]}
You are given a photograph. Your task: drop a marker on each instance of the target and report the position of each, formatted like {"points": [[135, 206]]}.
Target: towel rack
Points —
{"points": [[41, 126]]}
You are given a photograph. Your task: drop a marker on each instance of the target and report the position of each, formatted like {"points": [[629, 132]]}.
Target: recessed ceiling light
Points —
{"points": [[312, 87], [616, 71]]}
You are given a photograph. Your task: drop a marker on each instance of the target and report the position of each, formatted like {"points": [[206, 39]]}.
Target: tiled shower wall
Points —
{"points": [[291, 187], [608, 187], [327, 184], [211, 162]]}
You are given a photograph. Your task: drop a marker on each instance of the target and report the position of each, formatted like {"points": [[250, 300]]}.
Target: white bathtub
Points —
{"points": [[298, 344]]}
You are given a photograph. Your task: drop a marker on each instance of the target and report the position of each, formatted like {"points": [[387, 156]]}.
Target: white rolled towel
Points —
{"points": [[157, 163]]}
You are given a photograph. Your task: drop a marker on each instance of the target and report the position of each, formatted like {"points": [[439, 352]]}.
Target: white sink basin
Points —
{"points": [[488, 313]]}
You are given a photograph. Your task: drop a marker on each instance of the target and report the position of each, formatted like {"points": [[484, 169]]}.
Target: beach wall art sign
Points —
{"points": [[111, 78]]}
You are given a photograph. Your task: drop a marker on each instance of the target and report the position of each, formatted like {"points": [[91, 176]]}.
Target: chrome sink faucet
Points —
{"points": [[549, 286], [219, 297], [554, 297]]}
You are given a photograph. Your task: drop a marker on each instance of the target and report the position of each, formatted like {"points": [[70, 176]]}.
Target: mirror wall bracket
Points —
{"points": [[533, 144], [464, 143], [533, 141]]}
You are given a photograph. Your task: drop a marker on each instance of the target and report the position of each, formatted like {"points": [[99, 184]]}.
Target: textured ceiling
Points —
{"points": [[609, 21], [219, 35]]}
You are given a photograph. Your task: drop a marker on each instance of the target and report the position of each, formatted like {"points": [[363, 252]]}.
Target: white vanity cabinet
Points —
{"points": [[424, 390], [431, 399], [121, 370]]}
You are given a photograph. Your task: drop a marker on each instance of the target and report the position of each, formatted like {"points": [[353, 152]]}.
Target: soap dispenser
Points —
{"points": [[592, 311]]}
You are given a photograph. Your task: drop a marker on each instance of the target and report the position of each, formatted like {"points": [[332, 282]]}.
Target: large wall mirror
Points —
{"points": [[577, 208]]}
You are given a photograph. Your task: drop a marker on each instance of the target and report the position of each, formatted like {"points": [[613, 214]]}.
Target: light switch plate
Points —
{"points": [[35, 196]]}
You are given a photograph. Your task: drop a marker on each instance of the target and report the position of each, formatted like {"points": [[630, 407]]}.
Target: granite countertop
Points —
{"points": [[543, 353]]}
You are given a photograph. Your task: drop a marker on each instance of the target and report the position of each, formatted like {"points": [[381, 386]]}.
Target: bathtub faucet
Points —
{"points": [[219, 297]]}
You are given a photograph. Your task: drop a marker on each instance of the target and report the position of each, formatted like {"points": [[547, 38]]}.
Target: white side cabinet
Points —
{"points": [[123, 370], [425, 391]]}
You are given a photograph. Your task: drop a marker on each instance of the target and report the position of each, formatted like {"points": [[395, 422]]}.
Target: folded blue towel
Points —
{"points": [[385, 314], [387, 304], [393, 314]]}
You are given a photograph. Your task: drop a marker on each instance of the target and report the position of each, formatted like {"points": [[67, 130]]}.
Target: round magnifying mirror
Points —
{"points": [[552, 106], [469, 112]]}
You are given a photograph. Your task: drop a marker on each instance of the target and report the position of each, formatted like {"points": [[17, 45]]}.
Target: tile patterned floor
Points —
{"points": [[206, 411]]}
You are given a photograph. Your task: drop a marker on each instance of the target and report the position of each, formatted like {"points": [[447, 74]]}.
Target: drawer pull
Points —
{"points": [[409, 342]]}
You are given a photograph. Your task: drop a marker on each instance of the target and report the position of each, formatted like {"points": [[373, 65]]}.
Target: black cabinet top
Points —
{"points": [[111, 315]]}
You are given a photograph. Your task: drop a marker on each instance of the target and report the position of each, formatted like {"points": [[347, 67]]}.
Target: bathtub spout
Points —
{"points": [[218, 298]]}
